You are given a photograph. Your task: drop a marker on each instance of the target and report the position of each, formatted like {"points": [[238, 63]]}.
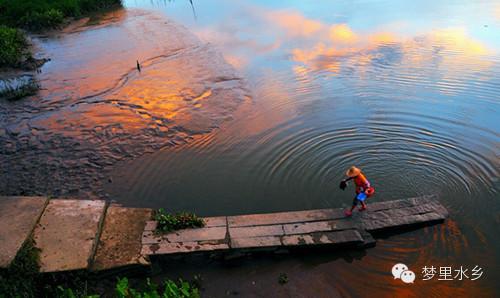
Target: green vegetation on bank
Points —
{"points": [[171, 222], [37, 15], [13, 46], [22, 279]]}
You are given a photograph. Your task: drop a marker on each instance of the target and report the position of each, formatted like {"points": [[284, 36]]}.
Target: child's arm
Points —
{"points": [[343, 183]]}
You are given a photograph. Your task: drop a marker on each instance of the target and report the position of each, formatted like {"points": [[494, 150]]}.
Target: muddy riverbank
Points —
{"points": [[94, 107]]}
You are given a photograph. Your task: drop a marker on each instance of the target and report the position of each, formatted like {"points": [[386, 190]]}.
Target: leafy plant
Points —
{"points": [[170, 222], [171, 289], [69, 293], [283, 279]]}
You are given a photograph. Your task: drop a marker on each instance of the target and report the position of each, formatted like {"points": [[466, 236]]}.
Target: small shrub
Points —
{"points": [[13, 46], [171, 222]]}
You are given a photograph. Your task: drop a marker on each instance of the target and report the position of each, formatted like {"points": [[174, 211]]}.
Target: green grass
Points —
{"points": [[171, 222], [20, 279]]}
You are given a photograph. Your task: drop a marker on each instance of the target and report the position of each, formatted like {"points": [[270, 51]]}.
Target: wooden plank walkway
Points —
{"points": [[79, 234]]}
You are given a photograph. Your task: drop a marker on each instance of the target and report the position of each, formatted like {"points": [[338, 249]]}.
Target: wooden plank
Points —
{"points": [[256, 231], [200, 234], [182, 247], [284, 217], [18, 217], [120, 241], [66, 234]]}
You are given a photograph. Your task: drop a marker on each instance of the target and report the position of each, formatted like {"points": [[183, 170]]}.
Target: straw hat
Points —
{"points": [[353, 172]]}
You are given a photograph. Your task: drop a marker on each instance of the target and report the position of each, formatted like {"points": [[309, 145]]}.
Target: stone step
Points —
{"points": [[18, 217], [66, 234], [120, 240]]}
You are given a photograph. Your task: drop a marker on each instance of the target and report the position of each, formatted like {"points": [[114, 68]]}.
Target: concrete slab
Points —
{"points": [[297, 228], [120, 241], [336, 237], [66, 234], [318, 226], [199, 234], [384, 223], [284, 217], [255, 242], [182, 247], [18, 217], [256, 231]]}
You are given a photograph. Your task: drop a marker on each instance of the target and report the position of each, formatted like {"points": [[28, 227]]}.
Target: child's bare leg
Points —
{"points": [[354, 203], [363, 206]]}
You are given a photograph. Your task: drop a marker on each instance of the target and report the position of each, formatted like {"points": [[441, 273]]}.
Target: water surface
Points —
{"points": [[260, 106], [408, 91]]}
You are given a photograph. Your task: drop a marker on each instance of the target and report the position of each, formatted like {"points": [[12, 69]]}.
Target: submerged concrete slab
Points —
{"points": [[66, 234], [120, 241], [18, 217]]}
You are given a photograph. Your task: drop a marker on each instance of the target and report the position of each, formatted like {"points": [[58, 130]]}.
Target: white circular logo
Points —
{"points": [[408, 276], [398, 269]]}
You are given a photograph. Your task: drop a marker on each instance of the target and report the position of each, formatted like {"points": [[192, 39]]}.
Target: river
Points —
{"points": [[261, 106]]}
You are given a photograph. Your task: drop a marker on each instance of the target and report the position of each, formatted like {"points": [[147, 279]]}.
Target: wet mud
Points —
{"points": [[95, 108]]}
